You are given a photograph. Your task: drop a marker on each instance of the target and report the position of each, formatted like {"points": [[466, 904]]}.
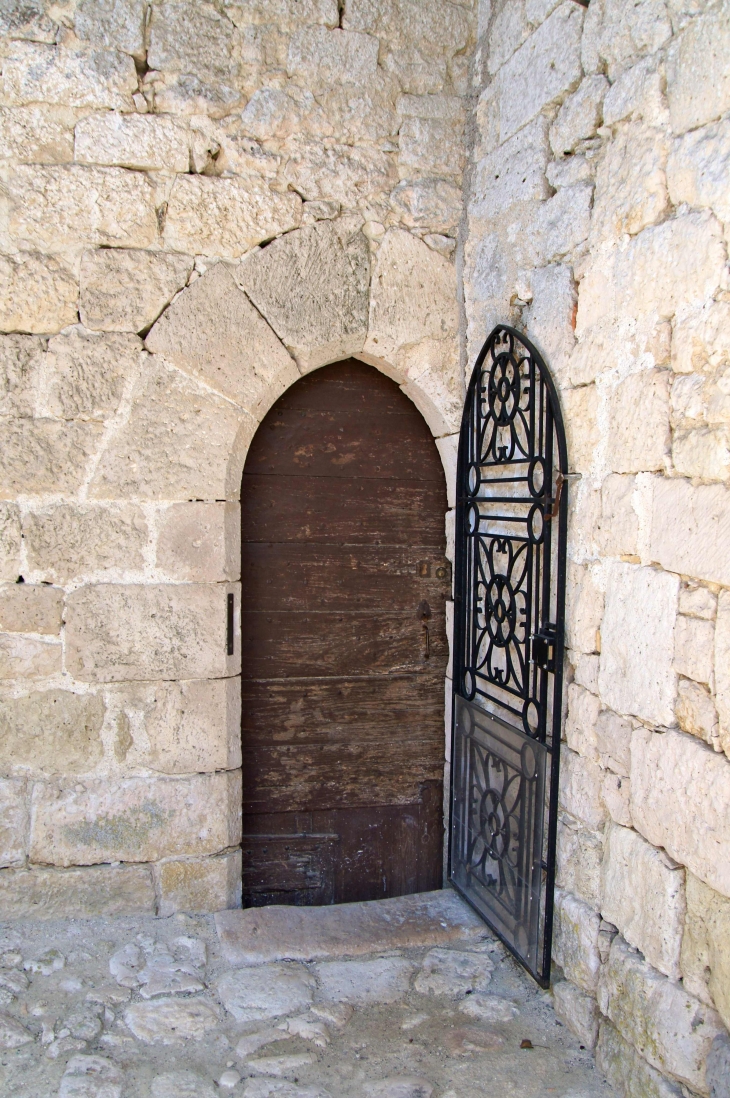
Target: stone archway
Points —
{"points": [[215, 362]]}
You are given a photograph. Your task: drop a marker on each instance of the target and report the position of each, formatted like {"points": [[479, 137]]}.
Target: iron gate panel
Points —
{"points": [[509, 594]]}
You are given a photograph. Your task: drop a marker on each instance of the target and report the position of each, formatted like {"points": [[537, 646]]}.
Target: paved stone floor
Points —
{"points": [[149, 1008]]}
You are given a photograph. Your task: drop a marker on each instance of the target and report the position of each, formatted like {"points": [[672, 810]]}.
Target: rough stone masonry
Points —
{"points": [[597, 219], [148, 151]]}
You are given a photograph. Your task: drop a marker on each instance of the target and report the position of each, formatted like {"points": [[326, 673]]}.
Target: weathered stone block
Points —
{"points": [[226, 217], [214, 333], [698, 83], [722, 669], [631, 185], [637, 642], [71, 206], [413, 297], [616, 794], [697, 602], [696, 712], [698, 547], [21, 360], [580, 789], [27, 658], [569, 172], [578, 1011], [144, 142], [559, 226], [669, 1028], [14, 822], [653, 273], [200, 542], [431, 147], [642, 893], [637, 93], [580, 414], [585, 670], [698, 168], [545, 67], [113, 24], [580, 115], [37, 294], [38, 134], [515, 172], [613, 741], [694, 641], [627, 1071], [181, 442], [638, 418], [550, 317], [584, 602], [30, 608], [135, 820], [433, 204], [192, 39], [51, 732], [322, 56], [77, 893], [67, 541], [45, 455], [619, 523], [177, 727], [288, 14], [126, 290], [313, 288], [346, 174], [679, 793], [618, 33], [705, 958], [579, 860], [584, 512], [168, 631], [85, 372], [718, 1066], [35, 73], [434, 385], [703, 454], [580, 724], [10, 536], [200, 884], [575, 941], [507, 33], [701, 339]]}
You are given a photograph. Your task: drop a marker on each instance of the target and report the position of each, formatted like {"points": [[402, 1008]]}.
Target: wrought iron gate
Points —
{"points": [[511, 520]]}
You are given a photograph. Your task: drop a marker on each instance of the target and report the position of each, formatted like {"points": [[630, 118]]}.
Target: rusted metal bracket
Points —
{"points": [[560, 480]]}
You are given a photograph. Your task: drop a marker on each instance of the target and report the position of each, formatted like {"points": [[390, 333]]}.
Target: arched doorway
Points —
{"points": [[344, 583]]}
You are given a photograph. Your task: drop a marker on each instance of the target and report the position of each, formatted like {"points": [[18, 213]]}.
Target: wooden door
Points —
{"points": [[342, 512]]}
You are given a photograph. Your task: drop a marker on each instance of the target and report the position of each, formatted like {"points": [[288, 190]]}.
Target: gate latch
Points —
{"points": [[543, 647]]}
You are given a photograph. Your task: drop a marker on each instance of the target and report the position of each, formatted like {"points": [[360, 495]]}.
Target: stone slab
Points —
{"points": [[276, 933]]}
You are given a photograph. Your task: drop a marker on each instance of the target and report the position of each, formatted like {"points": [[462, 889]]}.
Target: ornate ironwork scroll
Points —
{"points": [[511, 521]]}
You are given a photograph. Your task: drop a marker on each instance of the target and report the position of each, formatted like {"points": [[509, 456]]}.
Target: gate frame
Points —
{"points": [[555, 507]]}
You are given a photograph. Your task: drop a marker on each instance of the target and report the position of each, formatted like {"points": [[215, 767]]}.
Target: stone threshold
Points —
{"points": [[282, 933]]}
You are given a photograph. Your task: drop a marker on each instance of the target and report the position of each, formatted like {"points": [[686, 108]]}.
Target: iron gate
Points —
{"points": [[509, 593]]}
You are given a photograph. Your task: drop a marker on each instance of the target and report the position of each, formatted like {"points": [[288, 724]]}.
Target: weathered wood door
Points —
{"points": [[342, 511]]}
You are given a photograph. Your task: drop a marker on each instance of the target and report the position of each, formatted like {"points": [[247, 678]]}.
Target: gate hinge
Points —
{"points": [[543, 647]]}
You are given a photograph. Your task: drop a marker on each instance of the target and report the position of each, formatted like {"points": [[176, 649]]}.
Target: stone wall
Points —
{"points": [[150, 151], [598, 220]]}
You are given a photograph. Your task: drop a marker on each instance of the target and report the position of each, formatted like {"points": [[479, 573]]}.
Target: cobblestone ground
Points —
{"points": [[131, 1008]]}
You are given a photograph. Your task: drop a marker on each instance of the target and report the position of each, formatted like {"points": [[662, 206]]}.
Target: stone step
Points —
{"points": [[277, 933]]}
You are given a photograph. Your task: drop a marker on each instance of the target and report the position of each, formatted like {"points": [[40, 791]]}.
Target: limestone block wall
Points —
{"points": [[200, 201], [598, 222]]}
